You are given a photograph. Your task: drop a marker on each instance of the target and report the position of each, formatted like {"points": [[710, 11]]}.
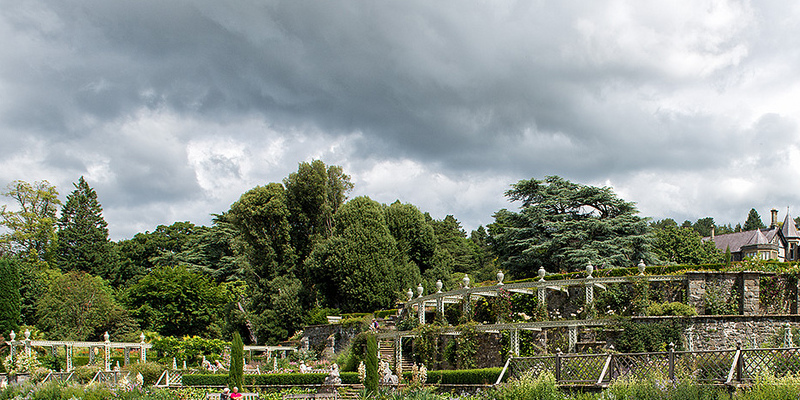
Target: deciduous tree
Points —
{"points": [[355, 269], [175, 301], [684, 246], [31, 229], [76, 306]]}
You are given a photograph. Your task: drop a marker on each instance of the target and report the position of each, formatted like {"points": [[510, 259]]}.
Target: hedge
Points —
{"points": [[447, 377], [268, 379]]}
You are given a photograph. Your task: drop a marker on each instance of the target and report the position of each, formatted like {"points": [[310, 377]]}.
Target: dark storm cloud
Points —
{"points": [[166, 104]]}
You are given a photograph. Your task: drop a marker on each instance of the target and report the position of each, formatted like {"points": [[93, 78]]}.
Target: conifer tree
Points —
{"points": [[753, 221], [371, 363], [235, 375], [9, 296], [83, 233]]}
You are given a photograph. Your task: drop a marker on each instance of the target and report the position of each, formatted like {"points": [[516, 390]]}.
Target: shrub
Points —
{"points": [[674, 308], [150, 371], [237, 362], [267, 379]]}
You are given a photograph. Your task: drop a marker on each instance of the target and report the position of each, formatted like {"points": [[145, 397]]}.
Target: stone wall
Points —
{"points": [[328, 339], [725, 332]]}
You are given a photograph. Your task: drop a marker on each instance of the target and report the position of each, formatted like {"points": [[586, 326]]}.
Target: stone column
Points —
{"points": [[749, 293], [142, 349], [467, 306], [573, 338], [421, 312], [68, 351], [106, 352], [589, 292], [398, 351], [91, 354], [542, 294], [440, 307], [127, 354], [515, 342]]}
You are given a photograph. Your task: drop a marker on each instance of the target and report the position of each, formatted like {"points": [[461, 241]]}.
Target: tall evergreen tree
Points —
{"points": [[753, 221], [236, 372], [562, 226], [83, 243], [9, 296]]}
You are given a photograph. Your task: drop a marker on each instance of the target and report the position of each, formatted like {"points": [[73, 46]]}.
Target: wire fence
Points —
{"points": [[729, 366]]}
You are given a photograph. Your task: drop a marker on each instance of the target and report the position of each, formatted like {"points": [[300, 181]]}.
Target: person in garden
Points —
{"points": [[225, 395], [235, 394]]}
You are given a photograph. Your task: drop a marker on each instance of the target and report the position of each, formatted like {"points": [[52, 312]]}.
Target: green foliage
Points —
{"points": [[717, 300], [684, 246], [426, 344], [191, 349], [529, 386], [414, 237], [674, 308], [564, 226], [637, 337], [9, 296], [150, 371], [236, 370], [314, 194], [30, 231], [753, 221], [319, 315], [371, 364], [175, 301], [461, 349], [77, 306], [355, 269], [83, 243], [267, 379]]}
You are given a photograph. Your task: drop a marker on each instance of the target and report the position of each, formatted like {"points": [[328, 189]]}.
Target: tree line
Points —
{"points": [[289, 253]]}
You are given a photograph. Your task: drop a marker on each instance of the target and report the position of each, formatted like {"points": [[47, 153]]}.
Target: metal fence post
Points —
{"points": [[672, 362]]}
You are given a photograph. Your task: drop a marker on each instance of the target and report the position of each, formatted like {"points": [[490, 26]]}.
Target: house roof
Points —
{"points": [[789, 229], [736, 240]]}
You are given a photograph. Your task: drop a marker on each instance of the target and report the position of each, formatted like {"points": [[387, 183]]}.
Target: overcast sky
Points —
{"points": [[172, 109]]}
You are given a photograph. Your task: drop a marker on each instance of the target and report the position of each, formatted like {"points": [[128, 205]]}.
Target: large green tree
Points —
{"points": [[684, 246], [313, 195], [31, 229], [83, 243], [77, 306], [146, 250], [355, 269], [9, 296], [563, 226], [261, 219], [753, 221], [174, 301]]}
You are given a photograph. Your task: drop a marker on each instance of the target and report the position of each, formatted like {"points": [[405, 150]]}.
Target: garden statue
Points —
{"points": [[332, 380], [387, 378]]}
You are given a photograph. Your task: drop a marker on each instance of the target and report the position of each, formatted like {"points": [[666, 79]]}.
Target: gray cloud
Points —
{"points": [[176, 108]]}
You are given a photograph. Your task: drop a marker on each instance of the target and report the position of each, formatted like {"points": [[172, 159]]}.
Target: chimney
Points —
{"points": [[774, 218]]}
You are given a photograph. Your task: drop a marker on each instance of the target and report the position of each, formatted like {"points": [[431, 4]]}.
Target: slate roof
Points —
{"points": [[738, 239], [789, 228]]}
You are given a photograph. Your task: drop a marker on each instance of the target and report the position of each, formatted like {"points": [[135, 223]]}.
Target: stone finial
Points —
{"points": [[589, 270], [420, 290], [466, 281], [141, 337], [13, 336], [105, 337], [439, 286], [641, 267], [27, 334], [410, 294], [542, 273], [500, 276]]}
